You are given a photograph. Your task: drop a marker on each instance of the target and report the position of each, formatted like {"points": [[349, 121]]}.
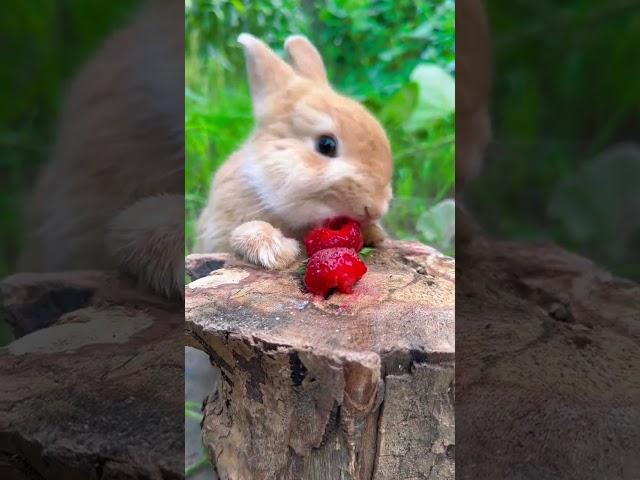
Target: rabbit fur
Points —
{"points": [[277, 185]]}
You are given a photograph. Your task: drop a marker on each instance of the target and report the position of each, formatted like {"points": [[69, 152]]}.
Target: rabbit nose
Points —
{"points": [[372, 213]]}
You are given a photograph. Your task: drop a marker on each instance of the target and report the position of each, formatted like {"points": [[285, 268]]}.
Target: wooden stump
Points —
{"points": [[93, 387], [548, 355], [352, 387]]}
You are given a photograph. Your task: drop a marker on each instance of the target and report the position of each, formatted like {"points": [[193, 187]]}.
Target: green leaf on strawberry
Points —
{"points": [[365, 252]]}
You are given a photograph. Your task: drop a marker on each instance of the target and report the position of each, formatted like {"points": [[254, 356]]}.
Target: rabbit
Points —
{"points": [[314, 154], [112, 195]]}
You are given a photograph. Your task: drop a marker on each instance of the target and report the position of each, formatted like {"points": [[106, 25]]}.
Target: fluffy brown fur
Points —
{"points": [[277, 185], [112, 195]]}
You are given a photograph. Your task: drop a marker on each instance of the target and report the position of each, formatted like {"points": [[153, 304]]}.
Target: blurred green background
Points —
{"points": [[43, 44], [395, 56], [566, 97]]}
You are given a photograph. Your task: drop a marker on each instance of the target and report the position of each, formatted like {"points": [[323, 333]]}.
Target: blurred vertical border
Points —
{"points": [[565, 162], [43, 43]]}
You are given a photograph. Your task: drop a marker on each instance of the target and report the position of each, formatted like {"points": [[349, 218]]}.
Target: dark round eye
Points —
{"points": [[327, 145]]}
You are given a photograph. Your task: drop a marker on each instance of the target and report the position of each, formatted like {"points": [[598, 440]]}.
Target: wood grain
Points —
{"points": [[313, 388], [93, 388], [548, 355]]}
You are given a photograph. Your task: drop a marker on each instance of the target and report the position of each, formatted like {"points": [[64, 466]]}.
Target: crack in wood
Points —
{"points": [[324, 371]]}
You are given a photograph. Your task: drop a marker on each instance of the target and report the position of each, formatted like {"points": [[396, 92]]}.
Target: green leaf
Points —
{"points": [[195, 406], [237, 4], [196, 467], [436, 98], [389, 55], [365, 252], [303, 268], [423, 31], [401, 105], [597, 204], [197, 416]]}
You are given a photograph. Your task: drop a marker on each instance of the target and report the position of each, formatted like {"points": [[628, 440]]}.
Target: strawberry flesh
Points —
{"points": [[330, 268], [335, 232]]}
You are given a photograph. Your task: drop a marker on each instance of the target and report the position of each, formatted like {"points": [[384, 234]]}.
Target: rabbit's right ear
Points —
{"points": [[267, 72], [305, 58]]}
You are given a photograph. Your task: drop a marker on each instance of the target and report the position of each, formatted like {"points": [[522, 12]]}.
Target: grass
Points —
{"points": [[192, 412]]}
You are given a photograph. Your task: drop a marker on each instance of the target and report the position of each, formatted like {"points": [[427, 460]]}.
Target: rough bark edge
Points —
{"points": [[405, 362]]}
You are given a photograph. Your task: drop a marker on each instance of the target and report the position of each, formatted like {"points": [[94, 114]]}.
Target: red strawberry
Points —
{"points": [[331, 268], [336, 232]]}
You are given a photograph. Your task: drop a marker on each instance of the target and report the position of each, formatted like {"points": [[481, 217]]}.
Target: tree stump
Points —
{"points": [[92, 388], [548, 355], [354, 386]]}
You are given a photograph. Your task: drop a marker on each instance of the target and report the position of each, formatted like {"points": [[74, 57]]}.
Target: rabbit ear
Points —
{"points": [[267, 72], [305, 58]]}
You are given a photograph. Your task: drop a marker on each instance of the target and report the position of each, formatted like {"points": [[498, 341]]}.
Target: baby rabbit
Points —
{"points": [[314, 154], [112, 195]]}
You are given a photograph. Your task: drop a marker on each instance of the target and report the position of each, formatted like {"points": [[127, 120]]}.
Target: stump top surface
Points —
{"points": [[94, 378], [551, 339], [405, 302]]}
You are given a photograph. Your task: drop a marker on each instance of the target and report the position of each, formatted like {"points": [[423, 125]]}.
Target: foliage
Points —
{"points": [[397, 57], [597, 207], [564, 92], [44, 42]]}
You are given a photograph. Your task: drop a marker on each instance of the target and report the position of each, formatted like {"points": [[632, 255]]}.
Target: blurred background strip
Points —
{"points": [[564, 164]]}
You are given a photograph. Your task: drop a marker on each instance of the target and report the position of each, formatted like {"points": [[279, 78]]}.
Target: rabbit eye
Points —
{"points": [[327, 145]]}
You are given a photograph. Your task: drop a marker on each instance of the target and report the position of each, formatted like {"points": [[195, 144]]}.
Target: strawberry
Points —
{"points": [[336, 232], [338, 268]]}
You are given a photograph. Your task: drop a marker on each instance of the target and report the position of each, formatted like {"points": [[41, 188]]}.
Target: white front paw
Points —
{"points": [[262, 244]]}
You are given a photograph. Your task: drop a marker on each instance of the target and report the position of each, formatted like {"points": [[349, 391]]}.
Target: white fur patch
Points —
{"points": [[253, 172], [261, 244], [286, 168]]}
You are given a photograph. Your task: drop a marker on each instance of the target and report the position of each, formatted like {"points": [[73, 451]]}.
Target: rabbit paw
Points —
{"points": [[146, 240], [261, 244], [373, 234]]}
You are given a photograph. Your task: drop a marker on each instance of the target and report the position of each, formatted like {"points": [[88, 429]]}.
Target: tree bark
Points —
{"points": [[547, 357], [92, 388], [351, 387]]}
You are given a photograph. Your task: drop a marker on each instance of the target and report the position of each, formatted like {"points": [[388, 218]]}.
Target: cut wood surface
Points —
{"points": [[351, 387], [92, 388], [548, 362]]}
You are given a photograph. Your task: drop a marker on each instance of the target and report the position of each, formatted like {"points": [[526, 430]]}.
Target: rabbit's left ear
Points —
{"points": [[268, 73], [305, 58]]}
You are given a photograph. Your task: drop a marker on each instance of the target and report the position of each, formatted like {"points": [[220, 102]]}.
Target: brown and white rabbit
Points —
{"points": [[314, 154], [112, 196]]}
